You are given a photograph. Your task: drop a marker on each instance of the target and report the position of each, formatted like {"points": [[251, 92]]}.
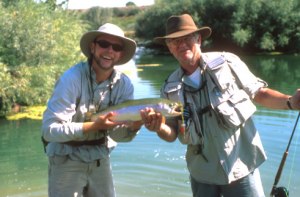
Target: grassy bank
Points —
{"points": [[32, 112]]}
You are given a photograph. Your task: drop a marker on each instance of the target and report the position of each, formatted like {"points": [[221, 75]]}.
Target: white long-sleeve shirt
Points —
{"points": [[63, 119]]}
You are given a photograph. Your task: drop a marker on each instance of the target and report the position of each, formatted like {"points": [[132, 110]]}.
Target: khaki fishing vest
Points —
{"points": [[225, 91]]}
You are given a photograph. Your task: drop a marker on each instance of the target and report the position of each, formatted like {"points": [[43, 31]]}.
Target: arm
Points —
{"points": [[59, 124], [276, 100]]}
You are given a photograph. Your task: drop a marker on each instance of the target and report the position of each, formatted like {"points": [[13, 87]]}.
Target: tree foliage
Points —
{"points": [[36, 45], [238, 25], [32, 34], [97, 16]]}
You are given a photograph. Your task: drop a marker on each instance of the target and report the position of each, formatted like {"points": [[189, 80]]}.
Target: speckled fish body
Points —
{"points": [[130, 110]]}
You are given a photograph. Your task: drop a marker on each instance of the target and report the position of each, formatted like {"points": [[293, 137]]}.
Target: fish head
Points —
{"points": [[170, 109]]}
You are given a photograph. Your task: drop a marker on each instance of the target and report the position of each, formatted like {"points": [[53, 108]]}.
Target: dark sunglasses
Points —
{"points": [[105, 44]]}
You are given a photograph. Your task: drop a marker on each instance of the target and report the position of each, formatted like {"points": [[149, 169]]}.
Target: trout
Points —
{"points": [[130, 110]]}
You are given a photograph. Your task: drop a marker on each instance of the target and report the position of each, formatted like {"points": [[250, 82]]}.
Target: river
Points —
{"points": [[148, 166]]}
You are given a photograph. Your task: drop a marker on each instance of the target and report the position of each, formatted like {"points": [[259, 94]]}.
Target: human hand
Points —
{"points": [[104, 122], [153, 120], [295, 100]]}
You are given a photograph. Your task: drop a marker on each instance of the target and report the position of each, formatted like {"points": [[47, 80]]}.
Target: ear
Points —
{"points": [[92, 48], [199, 39]]}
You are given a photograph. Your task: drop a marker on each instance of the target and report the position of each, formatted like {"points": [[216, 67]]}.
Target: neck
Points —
{"points": [[191, 67], [102, 74]]}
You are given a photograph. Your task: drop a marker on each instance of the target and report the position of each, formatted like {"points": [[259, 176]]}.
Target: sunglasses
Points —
{"points": [[105, 44]]}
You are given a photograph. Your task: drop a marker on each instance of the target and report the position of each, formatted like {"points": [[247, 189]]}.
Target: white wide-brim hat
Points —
{"points": [[129, 45]]}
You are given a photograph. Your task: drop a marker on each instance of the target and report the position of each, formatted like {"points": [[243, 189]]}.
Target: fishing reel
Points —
{"points": [[280, 192]]}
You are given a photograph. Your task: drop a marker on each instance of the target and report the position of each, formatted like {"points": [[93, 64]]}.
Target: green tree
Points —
{"points": [[151, 23], [7, 87], [266, 26], [97, 16], [237, 25], [37, 44], [32, 34], [130, 3]]}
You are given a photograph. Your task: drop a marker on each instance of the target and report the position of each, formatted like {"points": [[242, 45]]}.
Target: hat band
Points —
{"points": [[182, 28]]}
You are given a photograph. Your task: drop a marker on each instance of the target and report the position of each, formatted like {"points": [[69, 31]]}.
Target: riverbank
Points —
{"points": [[31, 112]]}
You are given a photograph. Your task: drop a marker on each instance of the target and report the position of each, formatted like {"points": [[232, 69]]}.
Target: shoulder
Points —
{"points": [[120, 76], [215, 60], [230, 57], [173, 83], [75, 71], [122, 81], [73, 77], [122, 87], [175, 76]]}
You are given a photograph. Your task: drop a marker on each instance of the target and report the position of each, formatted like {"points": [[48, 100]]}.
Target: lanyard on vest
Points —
{"points": [[199, 112]]}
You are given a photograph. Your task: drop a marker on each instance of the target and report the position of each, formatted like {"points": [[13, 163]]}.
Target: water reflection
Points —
{"points": [[280, 71]]}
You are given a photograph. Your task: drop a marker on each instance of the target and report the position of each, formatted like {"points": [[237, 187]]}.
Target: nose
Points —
{"points": [[110, 48]]}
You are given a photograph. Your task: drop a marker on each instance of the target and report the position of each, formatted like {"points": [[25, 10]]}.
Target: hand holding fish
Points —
{"points": [[155, 121], [101, 122]]}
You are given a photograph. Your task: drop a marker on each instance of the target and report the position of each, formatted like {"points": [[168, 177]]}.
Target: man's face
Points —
{"points": [[185, 49], [106, 50]]}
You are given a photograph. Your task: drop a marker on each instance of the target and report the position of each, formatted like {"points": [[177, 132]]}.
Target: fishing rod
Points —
{"points": [[282, 191]]}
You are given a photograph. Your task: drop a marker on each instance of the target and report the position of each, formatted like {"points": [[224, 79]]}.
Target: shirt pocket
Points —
{"points": [[236, 110]]}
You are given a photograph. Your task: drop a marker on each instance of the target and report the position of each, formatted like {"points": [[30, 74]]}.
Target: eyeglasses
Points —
{"points": [[105, 44], [186, 39]]}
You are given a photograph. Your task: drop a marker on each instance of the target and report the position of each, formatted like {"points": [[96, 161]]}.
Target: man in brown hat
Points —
{"points": [[79, 149], [224, 149]]}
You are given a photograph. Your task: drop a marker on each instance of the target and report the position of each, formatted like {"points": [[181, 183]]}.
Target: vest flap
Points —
{"points": [[172, 86]]}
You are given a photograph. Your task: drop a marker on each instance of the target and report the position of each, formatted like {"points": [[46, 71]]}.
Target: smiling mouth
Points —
{"points": [[106, 57]]}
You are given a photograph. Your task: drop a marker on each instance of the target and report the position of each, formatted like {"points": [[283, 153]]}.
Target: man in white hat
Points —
{"points": [[79, 149], [217, 89]]}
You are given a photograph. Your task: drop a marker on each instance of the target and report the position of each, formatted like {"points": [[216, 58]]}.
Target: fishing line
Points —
{"points": [[274, 188]]}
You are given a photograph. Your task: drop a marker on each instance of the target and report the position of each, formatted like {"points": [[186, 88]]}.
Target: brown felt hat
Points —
{"points": [[113, 30], [182, 25]]}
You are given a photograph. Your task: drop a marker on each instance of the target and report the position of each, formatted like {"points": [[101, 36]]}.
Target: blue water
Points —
{"points": [[148, 166]]}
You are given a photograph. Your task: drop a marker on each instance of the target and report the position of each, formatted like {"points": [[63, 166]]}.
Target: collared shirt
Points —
{"points": [[228, 154], [75, 91]]}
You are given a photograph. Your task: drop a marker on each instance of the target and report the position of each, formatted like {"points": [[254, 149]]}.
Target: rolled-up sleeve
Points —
{"points": [[249, 82]]}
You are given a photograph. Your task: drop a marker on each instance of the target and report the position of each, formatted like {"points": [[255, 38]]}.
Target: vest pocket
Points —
{"points": [[236, 110]]}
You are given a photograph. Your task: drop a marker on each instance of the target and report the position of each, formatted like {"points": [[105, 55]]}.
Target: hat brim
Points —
{"points": [[204, 31], [128, 51]]}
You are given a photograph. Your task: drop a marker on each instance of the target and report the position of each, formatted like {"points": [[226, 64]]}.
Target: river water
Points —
{"points": [[148, 166]]}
